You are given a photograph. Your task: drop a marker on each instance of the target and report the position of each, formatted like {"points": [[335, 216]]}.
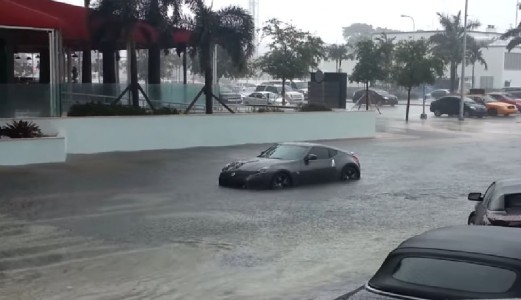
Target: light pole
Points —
{"points": [[517, 12], [463, 64], [413, 23]]}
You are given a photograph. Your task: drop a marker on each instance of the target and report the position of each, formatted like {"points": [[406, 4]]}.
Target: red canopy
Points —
{"points": [[71, 20]]}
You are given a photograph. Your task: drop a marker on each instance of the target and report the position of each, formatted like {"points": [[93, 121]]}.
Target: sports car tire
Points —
{"points": [[350, 172], [280, 180]]}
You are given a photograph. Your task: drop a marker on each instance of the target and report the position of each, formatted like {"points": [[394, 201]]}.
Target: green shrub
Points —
{"points": [[21, 130], [314, 107], [99, 109], [167, 111], [267, 109]]}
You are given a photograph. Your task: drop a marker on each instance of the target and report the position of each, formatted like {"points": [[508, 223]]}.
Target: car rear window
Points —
{"points": [[454, 275], [513, 201]]}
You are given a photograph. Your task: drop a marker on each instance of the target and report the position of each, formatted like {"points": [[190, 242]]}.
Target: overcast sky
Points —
{"points": [[327, 17]]}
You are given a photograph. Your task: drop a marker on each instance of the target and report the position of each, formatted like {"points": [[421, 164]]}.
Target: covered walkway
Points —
{"points": [[44, 40]]}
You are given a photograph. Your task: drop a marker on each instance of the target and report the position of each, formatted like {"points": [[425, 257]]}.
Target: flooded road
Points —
{"points": [[155, 225]]}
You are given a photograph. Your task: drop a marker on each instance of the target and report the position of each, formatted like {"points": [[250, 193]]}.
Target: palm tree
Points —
{"points": [[156, 15], [232, 28], [338, 53], [514, 35], [86, 67], [120, 19], [475, 55], [448, 44]]}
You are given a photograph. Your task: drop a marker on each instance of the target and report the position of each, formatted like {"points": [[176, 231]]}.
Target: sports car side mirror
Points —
{"points": [[310, 157], [475, 197]]}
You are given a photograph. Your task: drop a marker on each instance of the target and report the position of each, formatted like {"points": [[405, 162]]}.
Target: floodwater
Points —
{"points": [[155, 225]]}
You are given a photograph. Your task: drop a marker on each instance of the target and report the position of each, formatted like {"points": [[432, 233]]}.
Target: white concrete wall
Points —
{"points": [[108, 134], [15, 152]]}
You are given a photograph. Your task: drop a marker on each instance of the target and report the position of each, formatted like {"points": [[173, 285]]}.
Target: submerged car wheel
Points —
{"points": [[472, 219], [280, 180], [437, 113], [466, 114], [492, 112], [350, 173]]}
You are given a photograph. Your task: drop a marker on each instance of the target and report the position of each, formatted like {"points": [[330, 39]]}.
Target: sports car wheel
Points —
{"points": [[280, 181], [350, 173], [472, 219]]}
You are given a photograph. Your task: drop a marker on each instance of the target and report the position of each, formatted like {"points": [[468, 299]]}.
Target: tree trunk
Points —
{"points": [[453, 70], [283, 91], [339, 66], [208, 80], [86, 66], [109, 69], [154, 64], [473, 77], [133, 75], [367, 96], [408, 104], [185, 68]]}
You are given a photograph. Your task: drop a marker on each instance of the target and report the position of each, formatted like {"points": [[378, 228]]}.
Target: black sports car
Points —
{"points": [[461, 262], [288, 164]]}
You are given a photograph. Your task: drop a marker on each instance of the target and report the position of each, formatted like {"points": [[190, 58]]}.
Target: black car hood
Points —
{"points": [[253, 164]]}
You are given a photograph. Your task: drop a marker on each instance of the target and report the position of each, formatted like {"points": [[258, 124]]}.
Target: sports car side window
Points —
{"points": [[320, 152], [488, 194]]}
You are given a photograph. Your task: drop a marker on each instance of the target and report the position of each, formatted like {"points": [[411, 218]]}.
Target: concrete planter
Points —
{"points": [[16, 152]]}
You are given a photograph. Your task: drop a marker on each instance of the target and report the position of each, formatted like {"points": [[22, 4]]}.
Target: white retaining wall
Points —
{"points": [[16, 152], [107, 134]]}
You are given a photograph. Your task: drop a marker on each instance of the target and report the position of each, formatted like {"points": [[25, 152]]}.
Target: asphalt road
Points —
{"points": [[155, 225]]}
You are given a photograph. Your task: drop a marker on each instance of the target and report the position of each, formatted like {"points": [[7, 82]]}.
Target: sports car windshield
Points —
{"points": [[285, 152]]}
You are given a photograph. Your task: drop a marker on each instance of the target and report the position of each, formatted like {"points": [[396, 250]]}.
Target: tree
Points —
{"points": [[475, 55], [338, 53], [86, 67], [357, 32], [448, 44], [386, 47], [120, 18], [156, 14], [170, 62], [514, 35], [232, 28], [292, 52], [415, 64], [225, 66], [370, 66]]}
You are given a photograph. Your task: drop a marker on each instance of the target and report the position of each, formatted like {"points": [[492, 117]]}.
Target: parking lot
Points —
{"points": [[155, 225]]}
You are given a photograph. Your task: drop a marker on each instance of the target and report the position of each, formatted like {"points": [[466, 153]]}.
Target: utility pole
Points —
{"points": [[463, 65]]}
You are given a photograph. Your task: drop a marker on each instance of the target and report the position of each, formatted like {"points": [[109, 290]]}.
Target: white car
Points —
{"points": [[263, 98], [293, 97]]}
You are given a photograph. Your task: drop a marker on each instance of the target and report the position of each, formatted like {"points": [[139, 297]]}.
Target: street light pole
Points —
{"points": [[517, 13], [413, 23], [463, 64]]}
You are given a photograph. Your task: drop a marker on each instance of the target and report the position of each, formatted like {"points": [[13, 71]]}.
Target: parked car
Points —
{"points": [[228, 95], [381, 97], [437, 94], [289, 164], [296, 85], [493, 106], [450, 105], [499, 206], [461, 262], [511, 89], [293, 97], [506, 98], [263, 98]]}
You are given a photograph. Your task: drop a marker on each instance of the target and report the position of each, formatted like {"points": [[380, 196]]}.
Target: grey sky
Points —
{"points": [[327, 17]]}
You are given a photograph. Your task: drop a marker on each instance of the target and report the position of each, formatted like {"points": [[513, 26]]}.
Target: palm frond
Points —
{"points": [[235, 33], [514, 43], [514, 32]]}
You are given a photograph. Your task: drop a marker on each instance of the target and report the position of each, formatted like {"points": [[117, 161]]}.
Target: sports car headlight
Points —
{"points": [[264, 170]]}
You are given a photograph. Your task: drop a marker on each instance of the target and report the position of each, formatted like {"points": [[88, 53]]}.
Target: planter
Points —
{"points": [[17, 152]]}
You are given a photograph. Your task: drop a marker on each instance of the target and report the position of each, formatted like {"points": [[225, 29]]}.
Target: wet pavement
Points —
{"points": [[155, 225]]}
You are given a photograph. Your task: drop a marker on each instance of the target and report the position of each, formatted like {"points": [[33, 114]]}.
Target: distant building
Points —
{"points": [[504, 68]]}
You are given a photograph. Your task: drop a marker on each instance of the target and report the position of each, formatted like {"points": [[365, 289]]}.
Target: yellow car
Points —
{"points": [[494, 107]]}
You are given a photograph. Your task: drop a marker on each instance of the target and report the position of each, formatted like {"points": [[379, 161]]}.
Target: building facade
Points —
{"points": [[504, 67]]}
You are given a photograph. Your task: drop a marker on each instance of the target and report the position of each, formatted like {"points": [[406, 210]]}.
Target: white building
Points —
{"points": [[504, 68]]}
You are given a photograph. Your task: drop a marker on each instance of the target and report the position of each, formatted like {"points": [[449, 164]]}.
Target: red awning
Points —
{"points": [[71, 20], [16, 14]]}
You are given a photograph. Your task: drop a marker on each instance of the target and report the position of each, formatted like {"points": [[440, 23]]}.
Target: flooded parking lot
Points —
{"points": [[155, 225]]}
